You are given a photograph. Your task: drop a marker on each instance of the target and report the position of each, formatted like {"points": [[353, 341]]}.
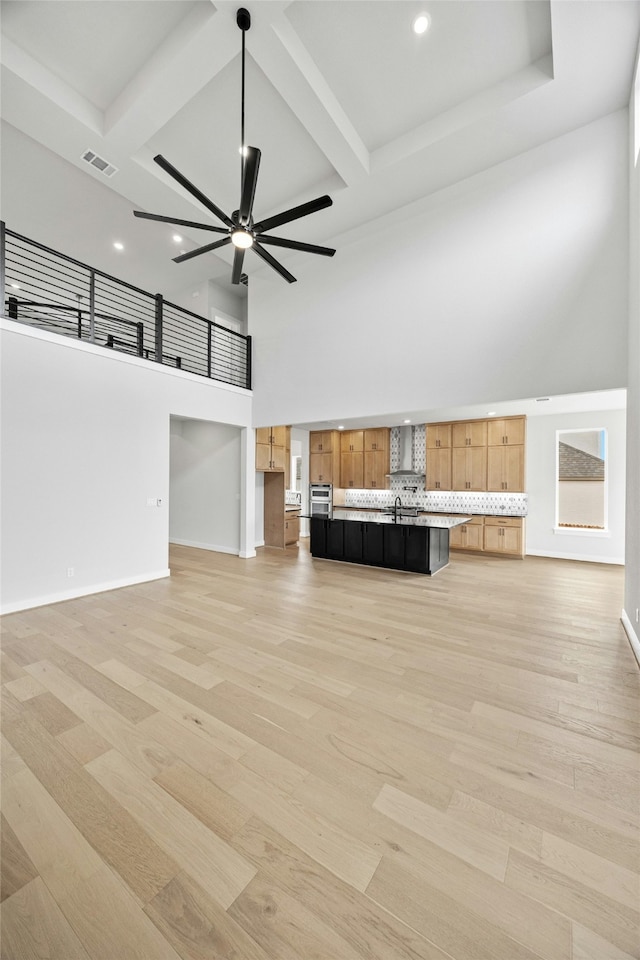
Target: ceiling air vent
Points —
{"points": [[105, 168]]}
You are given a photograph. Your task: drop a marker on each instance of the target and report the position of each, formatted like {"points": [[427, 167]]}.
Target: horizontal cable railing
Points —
{"points": [[53, 292]]}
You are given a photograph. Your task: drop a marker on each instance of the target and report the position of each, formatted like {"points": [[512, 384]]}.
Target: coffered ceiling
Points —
{"points": [[341, 97]]}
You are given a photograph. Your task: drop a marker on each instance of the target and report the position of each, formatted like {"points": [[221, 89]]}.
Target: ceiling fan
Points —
{"points": [[240, 229]]}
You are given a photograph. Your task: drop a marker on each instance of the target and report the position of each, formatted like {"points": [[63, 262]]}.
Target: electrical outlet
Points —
{"points": [[70, 571]]}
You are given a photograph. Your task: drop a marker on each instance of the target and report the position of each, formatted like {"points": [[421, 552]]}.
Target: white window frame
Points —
{"points": [[581, 531]]}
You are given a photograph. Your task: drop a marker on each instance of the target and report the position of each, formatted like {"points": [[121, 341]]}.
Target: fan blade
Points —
{"points": [[289, 277], [189, 187], [294, 245], [199, 250], [238, 260], [293, 214], [249, 180], [179, 223]]}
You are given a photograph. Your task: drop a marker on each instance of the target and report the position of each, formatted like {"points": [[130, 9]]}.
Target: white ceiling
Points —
{"points": [[341, 97], [567, 403]]}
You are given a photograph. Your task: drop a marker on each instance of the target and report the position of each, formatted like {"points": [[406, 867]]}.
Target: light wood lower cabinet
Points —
{"points": [[469, 536], [291, 528], [504, 535]]}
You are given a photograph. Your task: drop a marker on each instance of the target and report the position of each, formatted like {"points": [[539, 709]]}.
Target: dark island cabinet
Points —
{"points": [[335, 539], [394, 540], [373, 543], [417, 549]]}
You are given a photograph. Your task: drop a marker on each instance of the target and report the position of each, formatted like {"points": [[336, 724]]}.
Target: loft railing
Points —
{"points": [[54, 292]]}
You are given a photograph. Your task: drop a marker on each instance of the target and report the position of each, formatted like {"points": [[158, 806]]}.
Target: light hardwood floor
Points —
{"points": [[288, 759]]}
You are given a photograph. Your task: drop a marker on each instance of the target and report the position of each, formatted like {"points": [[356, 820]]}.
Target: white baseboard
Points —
{"points": [[631, 634], [216, 548], [260, 543], [81, 592], [588, 558]]}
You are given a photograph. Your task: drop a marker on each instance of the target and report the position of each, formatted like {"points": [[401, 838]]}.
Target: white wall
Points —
{"points": [[85, 436], [632, 572], [512, 284], [204, 505], [541, 540]]}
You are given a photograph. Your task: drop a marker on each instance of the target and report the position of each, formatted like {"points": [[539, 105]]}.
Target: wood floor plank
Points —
{"points": [[608, 918], [16, 868], [373, 935], [210, 861], [472, 845], [53, 714], [112, 832], [197, 926], [454, 928], [286, 759], [35, 928]]}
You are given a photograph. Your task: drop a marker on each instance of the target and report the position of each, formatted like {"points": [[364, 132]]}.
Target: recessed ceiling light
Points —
{"points": [[15, 286], [491, 413], [118, 246], [406, 421], [421, 23], [341, 427], [177, 238]]}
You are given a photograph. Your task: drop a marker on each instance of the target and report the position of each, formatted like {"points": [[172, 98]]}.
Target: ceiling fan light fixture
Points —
{"points": [[421, 23], [240, 229], [241, 239]]}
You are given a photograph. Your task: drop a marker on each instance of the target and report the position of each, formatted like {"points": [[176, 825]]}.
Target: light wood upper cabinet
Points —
{"points": [[505, 468], [469, 468], [324, 457], [323, 441], [438, 469], [352, 470], [505, 432], [472, 433], [321, 468], [376, 440], [438, 435], [376, 468], [272, 449], [352, 441]]}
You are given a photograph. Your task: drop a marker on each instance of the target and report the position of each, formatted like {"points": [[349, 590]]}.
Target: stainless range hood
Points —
{"points": [[406, 468]]}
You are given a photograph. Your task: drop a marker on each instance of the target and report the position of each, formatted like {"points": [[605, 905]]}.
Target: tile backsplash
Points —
{"points": [[440, 501]]}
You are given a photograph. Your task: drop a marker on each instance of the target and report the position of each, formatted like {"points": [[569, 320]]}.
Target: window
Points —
{"points": [[581, 480]]}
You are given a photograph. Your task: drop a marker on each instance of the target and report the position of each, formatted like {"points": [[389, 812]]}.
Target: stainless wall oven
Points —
{"points": [[321, 500]]}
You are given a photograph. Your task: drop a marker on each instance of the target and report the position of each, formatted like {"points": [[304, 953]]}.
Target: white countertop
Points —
{"points": [[366, 516]]}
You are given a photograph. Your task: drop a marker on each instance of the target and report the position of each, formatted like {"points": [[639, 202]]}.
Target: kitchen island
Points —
{"points": [[414, 544]]}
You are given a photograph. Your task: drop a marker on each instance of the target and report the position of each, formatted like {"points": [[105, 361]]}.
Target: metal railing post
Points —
{"points": [[248, 363], [140, 337], [13, 308], [2, 265], [209, 347], [92, 307], [159, 325]]}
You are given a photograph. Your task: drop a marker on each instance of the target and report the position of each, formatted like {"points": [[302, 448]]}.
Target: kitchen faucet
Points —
{"points": [[398, 503]]}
